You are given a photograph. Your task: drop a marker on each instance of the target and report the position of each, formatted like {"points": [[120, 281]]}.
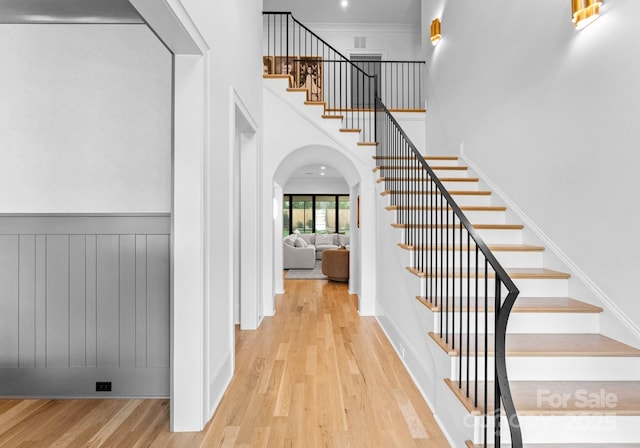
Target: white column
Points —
{"points": [[187, 301]]}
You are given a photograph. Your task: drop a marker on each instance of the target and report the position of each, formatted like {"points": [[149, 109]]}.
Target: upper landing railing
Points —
{"points": [[462, 280], [347, 87]]}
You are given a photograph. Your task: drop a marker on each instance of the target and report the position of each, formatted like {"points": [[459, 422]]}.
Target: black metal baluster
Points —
{"points": [[496, 387], [476, 333], [468, 309], [486, 346], [451, 277]]}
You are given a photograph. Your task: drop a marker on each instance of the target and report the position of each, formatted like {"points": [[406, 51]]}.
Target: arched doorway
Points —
{"points": [[299, 160]]}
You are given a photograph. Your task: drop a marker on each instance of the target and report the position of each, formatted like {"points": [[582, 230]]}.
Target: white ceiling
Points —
{"points": [[68, 11], [121, 11], [358, 11], [316, 172]]}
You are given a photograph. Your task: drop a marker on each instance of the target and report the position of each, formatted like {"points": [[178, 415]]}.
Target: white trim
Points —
{"points": [[249, 301], [206, 239], [172, 24], [548, 242], [380, 311], [366, 52]]}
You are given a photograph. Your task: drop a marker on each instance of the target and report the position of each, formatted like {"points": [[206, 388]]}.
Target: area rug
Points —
{"points": [[307, 274]]}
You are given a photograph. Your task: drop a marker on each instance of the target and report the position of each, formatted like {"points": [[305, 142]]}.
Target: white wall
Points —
{"points": [[394, 41], [550, 115], [294, 139], [233, 32], [85, 121], [316, 186]]}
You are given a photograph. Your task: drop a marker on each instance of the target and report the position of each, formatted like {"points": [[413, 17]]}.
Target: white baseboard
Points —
{"points": [[218, 385], [607, 302], [394, 336]]}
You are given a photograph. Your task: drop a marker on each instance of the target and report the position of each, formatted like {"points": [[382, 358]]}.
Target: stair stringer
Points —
{"points": [[312, 114], [407, 322]]}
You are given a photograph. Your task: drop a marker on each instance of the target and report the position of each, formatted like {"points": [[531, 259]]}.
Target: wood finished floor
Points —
{"points": [[314, 375]]}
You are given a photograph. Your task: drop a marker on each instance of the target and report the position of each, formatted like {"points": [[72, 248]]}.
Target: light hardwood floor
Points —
{"points": [[314, 375]]}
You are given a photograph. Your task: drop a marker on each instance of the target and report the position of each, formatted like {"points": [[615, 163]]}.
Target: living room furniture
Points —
{"points": [[301, 250], [302, 256], [335, 264]]}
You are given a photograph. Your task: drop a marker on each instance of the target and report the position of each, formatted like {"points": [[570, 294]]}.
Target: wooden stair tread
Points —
{"points": [[296, 89], [437, 192], [350, 130], [551, 345], [273, 76], [527, 400], [465, 247], [514, 273], [522, 305], [465, 208], [368, 143], [335, 117], [457, 226]]}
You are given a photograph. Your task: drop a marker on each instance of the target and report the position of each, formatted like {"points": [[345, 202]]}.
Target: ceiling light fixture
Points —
{"points": [[344, 3], [584, 12], [435, 31]]}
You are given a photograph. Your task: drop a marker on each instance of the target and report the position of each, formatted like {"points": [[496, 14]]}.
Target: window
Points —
{"points": [[325, 213], [316, 214], [286, 222], [301, 216]]}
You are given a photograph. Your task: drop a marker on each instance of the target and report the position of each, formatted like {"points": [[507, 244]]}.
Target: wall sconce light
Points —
{"points": [[435, 31], [584, 12]]}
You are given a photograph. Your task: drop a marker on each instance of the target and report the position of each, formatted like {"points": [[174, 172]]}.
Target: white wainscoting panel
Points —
{"points": [[84, 294]]}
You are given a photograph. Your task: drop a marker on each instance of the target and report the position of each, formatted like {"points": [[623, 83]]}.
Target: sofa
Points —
{"points": [[300, 251]]}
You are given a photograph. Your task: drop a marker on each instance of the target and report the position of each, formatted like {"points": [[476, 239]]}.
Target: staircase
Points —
{"points": [[571, 386]]}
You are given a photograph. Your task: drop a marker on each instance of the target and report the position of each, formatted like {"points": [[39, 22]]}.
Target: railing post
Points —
{"points": [[287, 48], [375, 108]]}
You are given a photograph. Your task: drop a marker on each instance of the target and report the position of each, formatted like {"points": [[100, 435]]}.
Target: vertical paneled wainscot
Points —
{"points": [[84, 299]]}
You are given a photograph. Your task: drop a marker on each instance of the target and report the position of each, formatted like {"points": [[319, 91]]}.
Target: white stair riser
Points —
{"points": [[462, 200], [506, 259], [427, 216], [592, 429], [527, 287], [531, 323], [397, 170], [432, 162], [449, 185], [588, 429], [558, 368], [490, 236]]}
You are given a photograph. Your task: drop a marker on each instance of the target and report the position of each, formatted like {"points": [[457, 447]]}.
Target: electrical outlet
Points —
{"points": [[103, 386]]}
